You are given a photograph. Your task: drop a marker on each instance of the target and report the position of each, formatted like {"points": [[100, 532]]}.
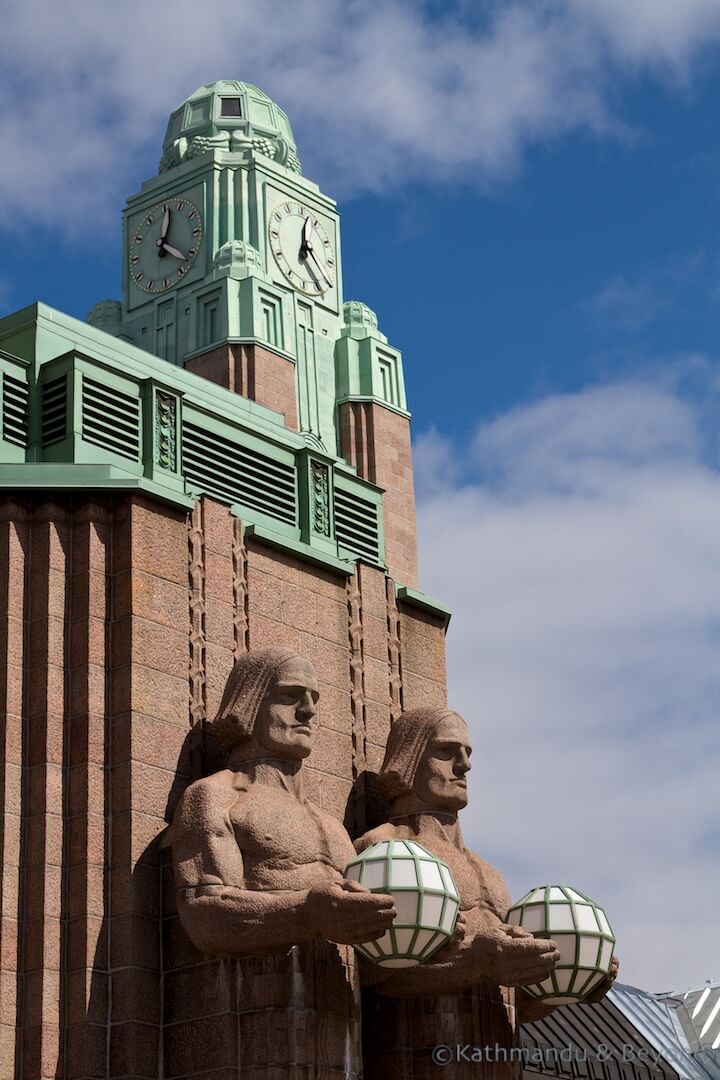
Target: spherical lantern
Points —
{"points": [[425, 895], [583, 935]]}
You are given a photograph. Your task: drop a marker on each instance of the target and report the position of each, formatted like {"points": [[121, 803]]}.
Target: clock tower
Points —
{"points": [[232, 270]]}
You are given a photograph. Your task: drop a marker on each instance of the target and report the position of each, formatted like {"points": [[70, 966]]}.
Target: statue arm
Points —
{"points": [[219, 915]]}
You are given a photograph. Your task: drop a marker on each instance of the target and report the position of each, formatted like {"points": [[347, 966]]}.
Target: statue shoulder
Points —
{"points": [[382, 832], [206, 803]]}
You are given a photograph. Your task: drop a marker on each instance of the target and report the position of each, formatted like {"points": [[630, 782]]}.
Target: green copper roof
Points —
{"points": [[232, 116]]}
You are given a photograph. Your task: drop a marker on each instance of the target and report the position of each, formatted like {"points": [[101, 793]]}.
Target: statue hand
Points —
{"points": [[348, 913], [602, 988], [511, 956]]}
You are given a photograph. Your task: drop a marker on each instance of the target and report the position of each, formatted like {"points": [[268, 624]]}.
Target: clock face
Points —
{"points": [[302, 248], [164, 245]]}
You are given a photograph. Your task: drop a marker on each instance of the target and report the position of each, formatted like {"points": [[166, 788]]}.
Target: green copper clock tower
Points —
{"points": [[232, 270]]}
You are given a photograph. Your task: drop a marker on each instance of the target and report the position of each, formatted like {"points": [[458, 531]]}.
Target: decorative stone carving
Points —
{"points": [[258, 867], [320, 482], [165, 444]]}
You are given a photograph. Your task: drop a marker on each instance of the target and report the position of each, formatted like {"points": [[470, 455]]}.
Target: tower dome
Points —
{"points": [[231, 116]]}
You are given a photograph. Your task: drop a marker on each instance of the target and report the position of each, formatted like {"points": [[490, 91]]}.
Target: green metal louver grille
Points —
{"points": [[110, 419], [239, 474], [54, 410], [15, 410], [356, 525]]}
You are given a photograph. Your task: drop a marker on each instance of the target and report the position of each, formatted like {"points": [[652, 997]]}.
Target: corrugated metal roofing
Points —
{"points": [[654, 1036], [656, 1017]]}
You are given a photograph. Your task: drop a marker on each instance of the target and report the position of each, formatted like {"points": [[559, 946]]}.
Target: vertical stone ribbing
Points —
{"points": [[85, 960], [14, 552], [217, 541], [394, 653], [357, 699], [241, 623], [196, 580], [44, 791], [149, 724]]}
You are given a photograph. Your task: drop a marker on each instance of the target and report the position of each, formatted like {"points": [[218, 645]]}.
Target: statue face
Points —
{"points": [[286, 719], [440, 779]]}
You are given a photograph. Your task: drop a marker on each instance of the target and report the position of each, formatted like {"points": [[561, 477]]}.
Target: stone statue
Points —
{"points": [[258, 867], [424, 778]]}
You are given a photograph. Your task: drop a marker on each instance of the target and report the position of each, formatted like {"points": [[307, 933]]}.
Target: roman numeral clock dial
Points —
{"points": [[165, 245], [302, 248]]}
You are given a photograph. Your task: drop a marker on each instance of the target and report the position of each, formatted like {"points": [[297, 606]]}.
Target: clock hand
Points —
{"points": [[312, 255], [305, 245], [172, 251], [163, 232]]}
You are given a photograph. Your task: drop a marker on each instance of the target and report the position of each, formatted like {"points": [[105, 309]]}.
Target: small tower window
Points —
{"points": [[230, 106]]}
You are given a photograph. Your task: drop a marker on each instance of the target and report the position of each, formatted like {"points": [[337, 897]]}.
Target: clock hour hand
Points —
{"points": [[172, 251], [305, 243]]}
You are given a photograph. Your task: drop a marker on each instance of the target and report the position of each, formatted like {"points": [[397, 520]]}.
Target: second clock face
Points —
{"points": [[302, 248], [164, 245]]}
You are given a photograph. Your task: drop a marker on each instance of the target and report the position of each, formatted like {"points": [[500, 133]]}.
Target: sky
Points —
{"points": [[530, 195]]}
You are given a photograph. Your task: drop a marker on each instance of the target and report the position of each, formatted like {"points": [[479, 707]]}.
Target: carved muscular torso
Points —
{"points": [[280, 840]]}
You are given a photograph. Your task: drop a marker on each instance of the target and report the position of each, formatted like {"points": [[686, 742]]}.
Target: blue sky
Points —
{"points": [[530, 198]]}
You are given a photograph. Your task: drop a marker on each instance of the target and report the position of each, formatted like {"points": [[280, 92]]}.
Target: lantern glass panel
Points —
{"points": [[556, 894], [576, 895], [606, 955], [431, 909], [585, 917], [403, 939], [533, 918], [384, 943], [514, 917], [430, 873], [566, 948], [447, 879], [560, 917], [563, 979], [403, 872], [415, 849], [407, 908], [589, 948], [353, 872], [374, 874], [604, 924], [424, 937], [449, 916]]}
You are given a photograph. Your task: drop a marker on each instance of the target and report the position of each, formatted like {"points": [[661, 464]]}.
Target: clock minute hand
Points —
{"points": [[174, 251], [312, 255]]}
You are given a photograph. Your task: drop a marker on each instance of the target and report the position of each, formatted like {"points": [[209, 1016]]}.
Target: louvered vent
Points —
{"points": [[54, 410], [238, 474], [110, 419], [15, 410], [356, 525]]}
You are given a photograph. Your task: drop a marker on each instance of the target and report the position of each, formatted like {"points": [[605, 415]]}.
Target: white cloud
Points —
{"points": [[581, 561], [378, 94]]}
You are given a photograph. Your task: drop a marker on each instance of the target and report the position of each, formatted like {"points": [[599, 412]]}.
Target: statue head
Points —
{"points": [[269, 705], [426, 761]]}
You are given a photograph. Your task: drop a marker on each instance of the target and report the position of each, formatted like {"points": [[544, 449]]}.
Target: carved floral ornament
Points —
{"points": [[259, 867]]}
